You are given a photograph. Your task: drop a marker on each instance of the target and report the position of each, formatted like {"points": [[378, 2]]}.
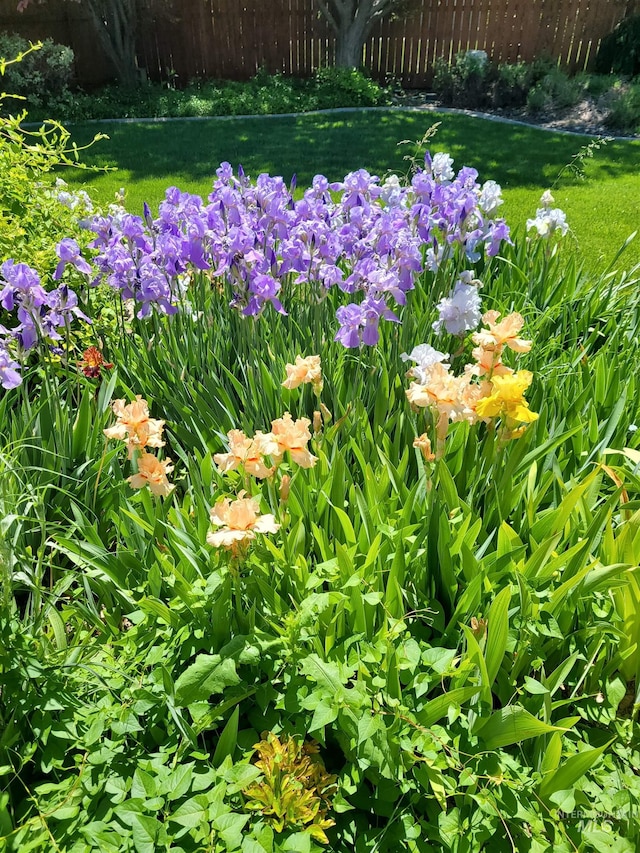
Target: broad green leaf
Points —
{"points": [[497, 633], [324, 673], [510, 725], [531, 685], [159, 609], [191, 813], [345, 523], [143, 785], [573, 768], [209, 674], [82, 426], [250, 845], [437, 708], [145, 832], [552, 755], [393, 601], [64, 813], [180, 780], [299, 842], [58, 628], [447, 486], [230, 828], [323, 715], [474, 654], [508, 541], [227, 740]]}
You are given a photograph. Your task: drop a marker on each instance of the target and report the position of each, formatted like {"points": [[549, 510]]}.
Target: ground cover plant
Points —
{"points": [[264, 94], [524, 161], [324, 534]]}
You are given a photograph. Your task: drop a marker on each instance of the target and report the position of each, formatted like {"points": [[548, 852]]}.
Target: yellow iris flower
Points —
{"points": [[507, 398]]}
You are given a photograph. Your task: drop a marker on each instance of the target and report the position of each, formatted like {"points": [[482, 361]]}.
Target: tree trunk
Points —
{"points": [[349, 43], [352, 21], [115, 24]]}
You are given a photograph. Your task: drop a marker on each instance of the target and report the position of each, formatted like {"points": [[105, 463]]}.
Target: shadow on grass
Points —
{"points": [[333, 145]]}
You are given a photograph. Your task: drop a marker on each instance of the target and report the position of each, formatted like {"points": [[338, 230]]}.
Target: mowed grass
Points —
{"points": [[602, 210]]}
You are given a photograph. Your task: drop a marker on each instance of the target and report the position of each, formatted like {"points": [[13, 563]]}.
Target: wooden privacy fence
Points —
{"points": [[182, 39]]}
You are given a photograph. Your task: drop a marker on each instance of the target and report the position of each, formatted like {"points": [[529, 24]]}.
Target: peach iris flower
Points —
{"points": [[504, 333], [304, 370], [488, 362], [134, 425], [442, 391], [152, 472], [239, 521], [507, 399], [423, 443], [292, 436], [248, 452]]}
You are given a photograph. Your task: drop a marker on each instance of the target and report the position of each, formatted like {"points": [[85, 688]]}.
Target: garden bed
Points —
{"points": [[588, 116], [324, 533]]}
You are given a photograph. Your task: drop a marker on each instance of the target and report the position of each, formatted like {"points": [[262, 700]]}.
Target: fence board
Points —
{"points": [[182, 39]]}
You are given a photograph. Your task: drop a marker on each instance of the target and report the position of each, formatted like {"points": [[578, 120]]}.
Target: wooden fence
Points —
{"points": [[234, 38]]}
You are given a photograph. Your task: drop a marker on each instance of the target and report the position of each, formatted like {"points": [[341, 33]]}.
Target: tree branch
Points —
{"points": [[382, 8], [326, 11]]}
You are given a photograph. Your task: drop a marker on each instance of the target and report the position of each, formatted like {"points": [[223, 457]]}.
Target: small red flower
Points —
{"points": [[92, 362]]}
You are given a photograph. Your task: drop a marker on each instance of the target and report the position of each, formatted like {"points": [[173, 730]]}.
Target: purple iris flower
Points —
{"points": [[263, 289], [9, 376], [498, 233], [69, 253], [374, 311], [351, 319], [258, 242], [63, 305]]}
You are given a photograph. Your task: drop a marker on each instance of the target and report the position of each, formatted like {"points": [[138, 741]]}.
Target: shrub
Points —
{"points": [[620, 50], [41, 74], [465, 82], [346, 87], [511, 85], [35, 213], [556, 90], [624, 112], [598, 85], [262, 95]]}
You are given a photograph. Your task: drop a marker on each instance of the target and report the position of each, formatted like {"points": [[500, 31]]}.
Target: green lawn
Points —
{"points": [[602, 211]]}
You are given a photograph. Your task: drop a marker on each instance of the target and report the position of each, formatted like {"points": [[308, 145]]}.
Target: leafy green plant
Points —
{"points": [[32, 213], [512, 84], [40, 75], [465, 82], [346, 87], [556, 90], [264, 94], [624, 109], [294, 789]]}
